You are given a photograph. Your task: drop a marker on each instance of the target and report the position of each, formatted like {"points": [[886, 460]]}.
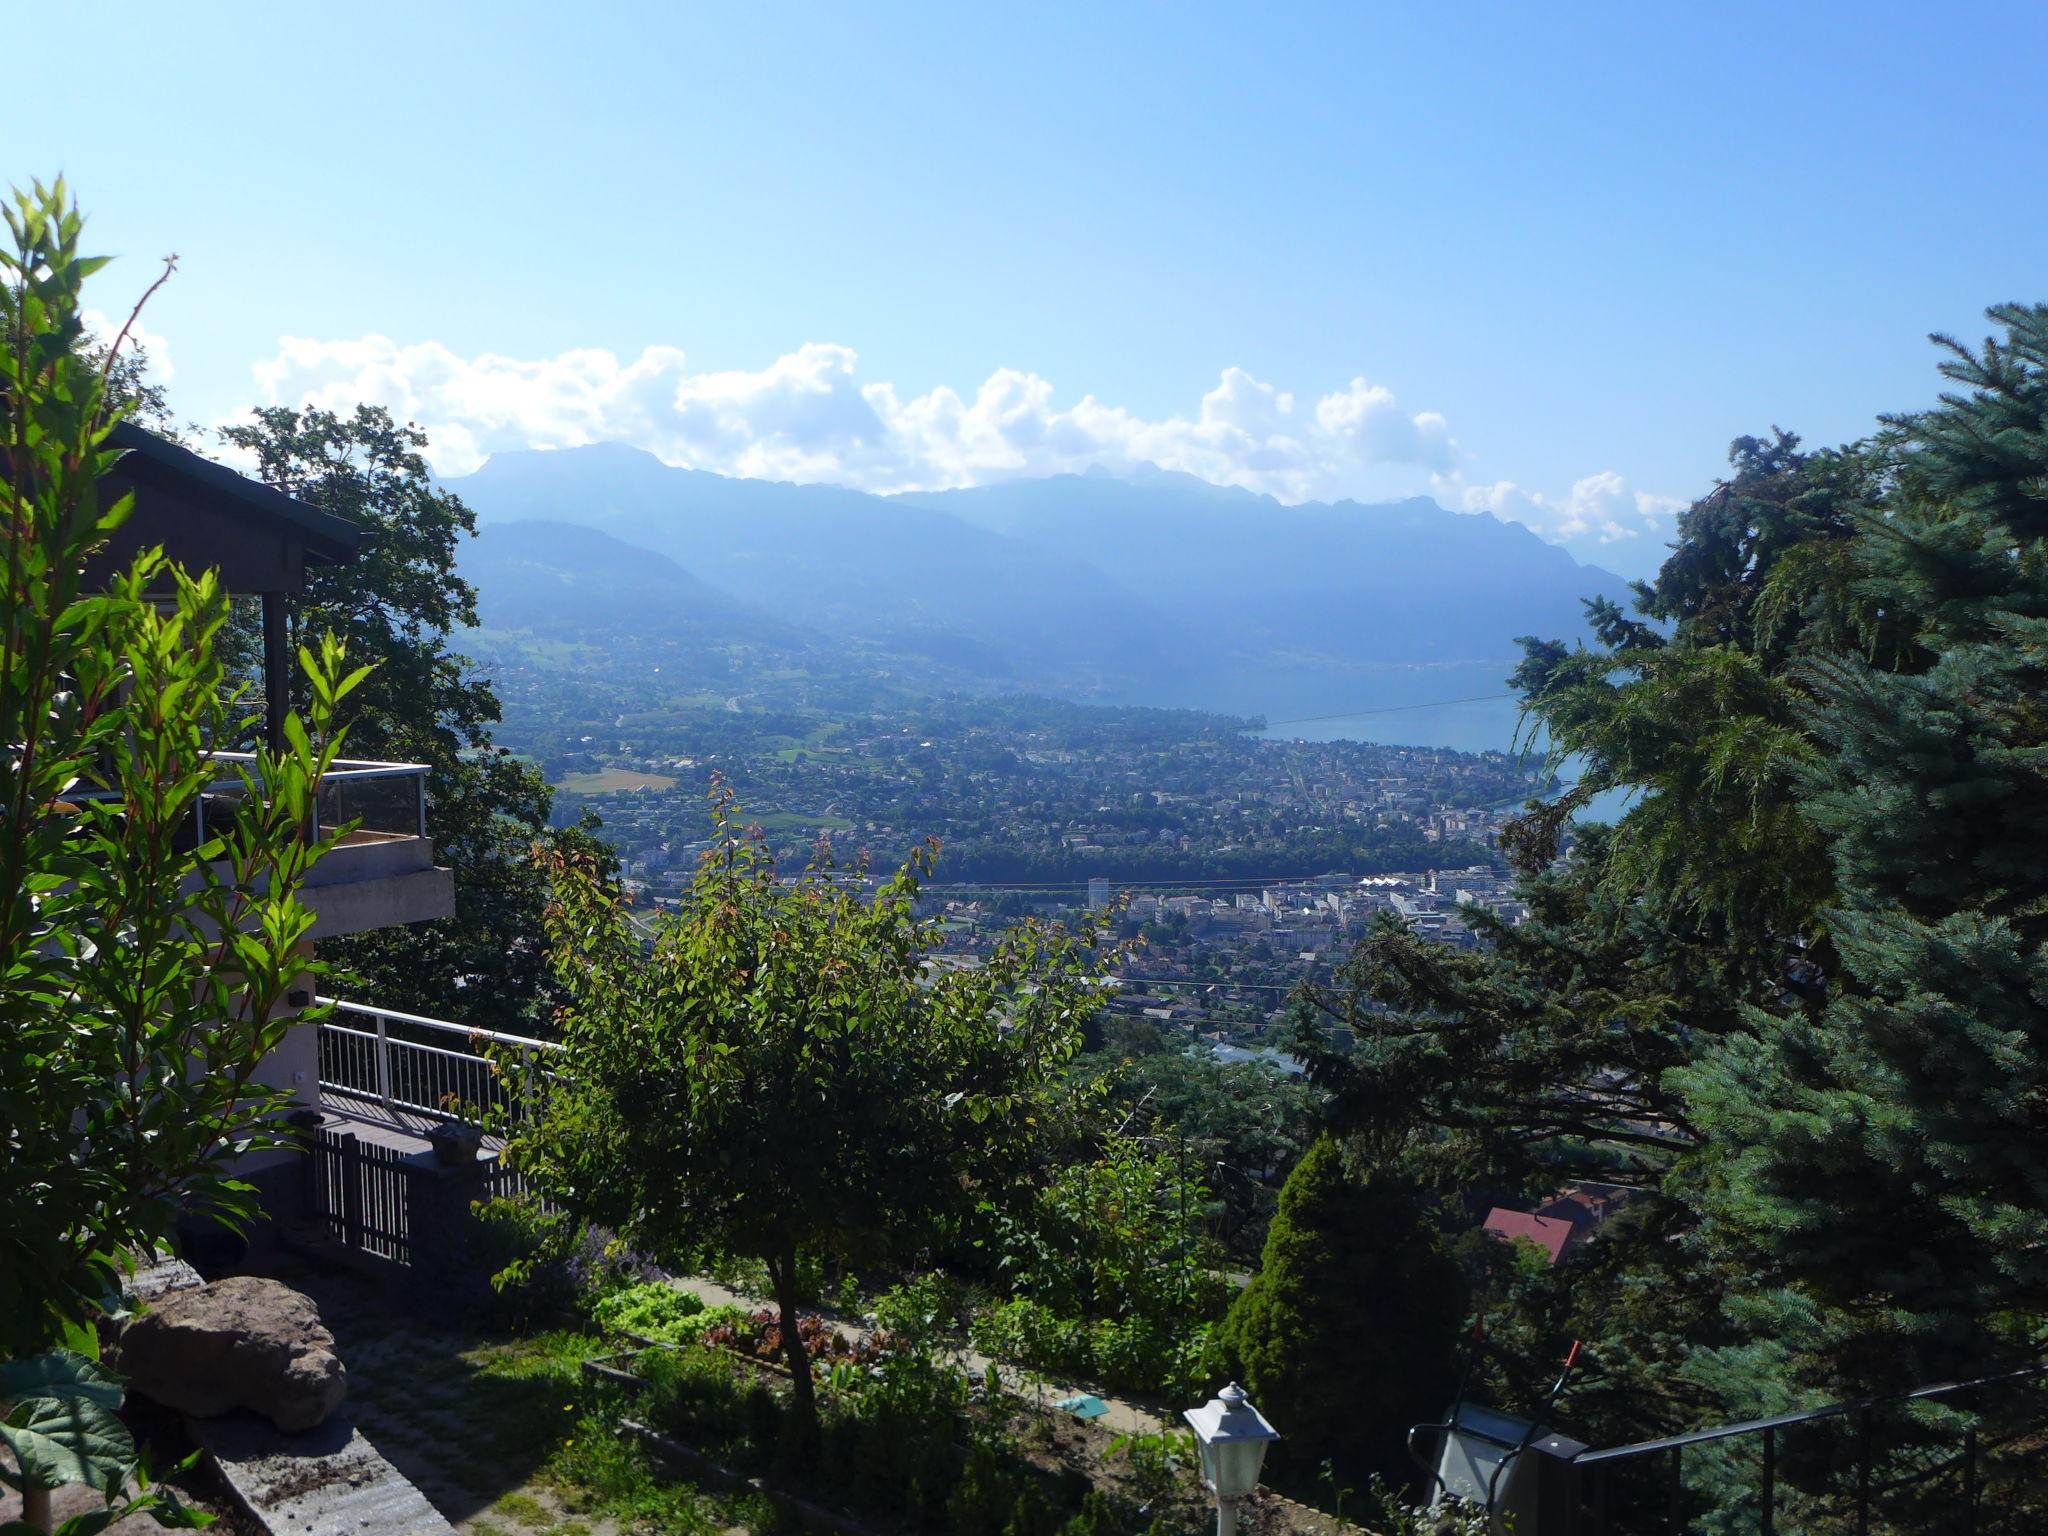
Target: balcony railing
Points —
{"points": [[403, 1061], [385, 799]]}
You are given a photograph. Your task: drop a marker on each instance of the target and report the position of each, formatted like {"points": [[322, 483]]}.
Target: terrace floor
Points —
{"points": [[400, 1130]]}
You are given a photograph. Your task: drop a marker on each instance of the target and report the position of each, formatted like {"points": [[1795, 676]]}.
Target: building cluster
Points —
{"points": [[1014, 803]]}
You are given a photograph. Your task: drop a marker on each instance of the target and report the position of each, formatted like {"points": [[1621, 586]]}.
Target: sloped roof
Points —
{"points": [[1546, 1232], [148, 460]]}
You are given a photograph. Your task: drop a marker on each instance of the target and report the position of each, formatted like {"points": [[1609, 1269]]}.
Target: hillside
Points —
{"points": [[1161, 590]]}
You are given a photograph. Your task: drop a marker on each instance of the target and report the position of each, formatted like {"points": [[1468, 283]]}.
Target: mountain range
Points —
{"points": [[1157, 589]]}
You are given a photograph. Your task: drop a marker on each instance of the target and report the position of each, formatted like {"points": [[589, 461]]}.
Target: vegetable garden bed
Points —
{"points": [[903, 1444]]}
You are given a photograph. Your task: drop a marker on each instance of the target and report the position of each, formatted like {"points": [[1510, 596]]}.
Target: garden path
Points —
{"points": [[1125, 1416]]}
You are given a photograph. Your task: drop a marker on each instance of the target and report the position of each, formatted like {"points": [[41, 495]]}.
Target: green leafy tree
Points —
{"points": [[402, 601], [1111, 1270], [783, 1075], [143, 968], [1355, 1288], [1245, 1123]]}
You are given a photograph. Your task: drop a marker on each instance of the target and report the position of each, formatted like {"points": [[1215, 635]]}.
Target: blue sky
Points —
{"points": [[1543, 260]]}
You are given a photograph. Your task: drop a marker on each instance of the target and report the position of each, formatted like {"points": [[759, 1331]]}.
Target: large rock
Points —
{"points": [[242, 1342]]}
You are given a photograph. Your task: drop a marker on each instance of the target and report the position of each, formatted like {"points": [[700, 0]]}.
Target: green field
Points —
{"points": [[615, 778]]}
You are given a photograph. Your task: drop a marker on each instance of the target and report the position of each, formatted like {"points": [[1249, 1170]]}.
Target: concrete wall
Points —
{"points": [[377, 881]]}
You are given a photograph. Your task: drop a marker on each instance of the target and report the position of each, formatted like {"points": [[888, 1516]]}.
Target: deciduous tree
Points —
{"points": [[403, 601], [143, 972], [783, 1073]]}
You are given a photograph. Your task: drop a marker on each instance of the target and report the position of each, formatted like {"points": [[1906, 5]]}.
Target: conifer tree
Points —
{"points": [[1883, 1158], [1346, 1335]]}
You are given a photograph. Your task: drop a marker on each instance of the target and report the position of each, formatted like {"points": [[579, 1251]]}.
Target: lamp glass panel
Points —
{"points": [[1236, 1470]]}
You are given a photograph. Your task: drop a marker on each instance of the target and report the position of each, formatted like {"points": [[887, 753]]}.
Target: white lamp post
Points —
{"points": [[1233, 1436]]}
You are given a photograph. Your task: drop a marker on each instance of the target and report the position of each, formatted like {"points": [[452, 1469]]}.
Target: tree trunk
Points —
{"points": [[782, 1273], [35, 1505]]}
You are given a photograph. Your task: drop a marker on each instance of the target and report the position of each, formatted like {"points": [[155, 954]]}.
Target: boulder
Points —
{"points": [[242, 1342]]}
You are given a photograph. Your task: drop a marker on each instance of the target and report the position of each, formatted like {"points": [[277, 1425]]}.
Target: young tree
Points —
{"points": [[402, 601], [143, 970], [1347, 1334], [1112, 1273], [785, 1075]]}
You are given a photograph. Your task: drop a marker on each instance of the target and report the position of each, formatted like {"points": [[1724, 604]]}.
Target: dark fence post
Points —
{"points": [[351, 1169], [1767, 1521], [1864, 1453], [1560, 1494], [441, 1189], [305, 1124]]}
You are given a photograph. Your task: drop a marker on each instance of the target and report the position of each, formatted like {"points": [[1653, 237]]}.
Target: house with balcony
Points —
{"points": [[377, 1083], [262, 544]]}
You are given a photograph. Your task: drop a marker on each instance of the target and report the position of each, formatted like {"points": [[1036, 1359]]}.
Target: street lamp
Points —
{"points": [[1233, 1436]]}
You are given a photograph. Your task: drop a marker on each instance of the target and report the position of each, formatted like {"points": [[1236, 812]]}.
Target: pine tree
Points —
{"points": [[1883, 1158], [1345, 1337]]}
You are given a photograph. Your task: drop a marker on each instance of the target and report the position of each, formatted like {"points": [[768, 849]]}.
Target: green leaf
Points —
{"points": [[92, 1521], [68, 1440], [60, 1373]]}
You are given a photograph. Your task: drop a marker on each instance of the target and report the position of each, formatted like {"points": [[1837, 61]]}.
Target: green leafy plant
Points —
{"points": [[653, 1309], [61, 1426], [528, 1252], [1113, 1277], [985, 1497], [1158, 1463], [1097, 1517], [782, 1076], [145, 970], [1390, 1513]]}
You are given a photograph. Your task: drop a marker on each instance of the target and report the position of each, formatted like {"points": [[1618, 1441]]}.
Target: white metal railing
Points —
{"points": [[433, 1067]]}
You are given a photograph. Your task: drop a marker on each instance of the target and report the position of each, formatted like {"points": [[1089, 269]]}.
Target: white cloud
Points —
{"points": [[1600, 507], [103, 331], [808, 416]]}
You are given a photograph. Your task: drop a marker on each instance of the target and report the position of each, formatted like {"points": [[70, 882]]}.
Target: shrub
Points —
{"points": [[528, 1253], [1354, 1287], [1033, 1514], [982, 1501], [1098, 1517], [694, 1396], [1112, 1276]]}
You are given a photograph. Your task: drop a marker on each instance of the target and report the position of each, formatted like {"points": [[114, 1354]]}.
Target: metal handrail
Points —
{"points": [[342, 767], [467, 1031], [1804, 1416], [341, 771], [1864, 1410], [370, 1064]]}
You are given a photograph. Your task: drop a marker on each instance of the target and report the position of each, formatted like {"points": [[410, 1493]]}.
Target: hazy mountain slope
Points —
{"points": [[556, 577], [1165, 590], [851, 564], [1400, 582]]}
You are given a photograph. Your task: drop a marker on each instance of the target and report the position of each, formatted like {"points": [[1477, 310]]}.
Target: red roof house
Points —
{"points": [[1546, 1232]]}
